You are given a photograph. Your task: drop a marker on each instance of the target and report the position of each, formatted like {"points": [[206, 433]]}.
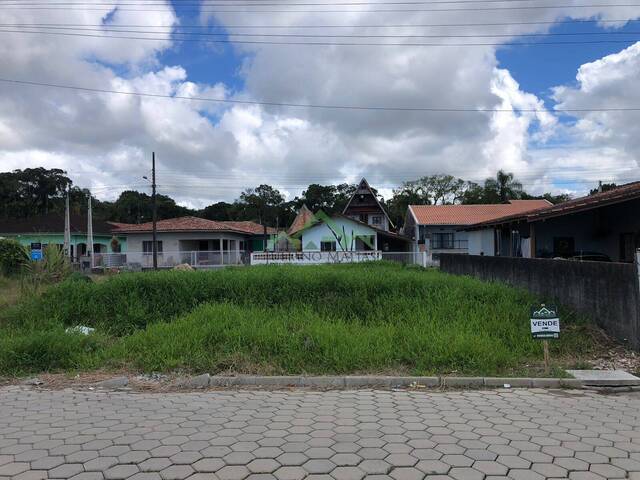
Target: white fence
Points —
{"points": [[197, 259], [213, 259], [315, 258]]}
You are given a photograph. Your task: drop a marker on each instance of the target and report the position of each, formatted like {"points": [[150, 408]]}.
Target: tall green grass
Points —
{"points": [[325, 319]]}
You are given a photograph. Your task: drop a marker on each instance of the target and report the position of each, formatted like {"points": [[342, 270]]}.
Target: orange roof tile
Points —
{"points": [[303, 218], [470, 214], [194, 224]]}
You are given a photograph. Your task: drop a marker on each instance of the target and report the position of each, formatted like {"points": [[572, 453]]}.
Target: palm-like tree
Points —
{"points": [[504, 185]]}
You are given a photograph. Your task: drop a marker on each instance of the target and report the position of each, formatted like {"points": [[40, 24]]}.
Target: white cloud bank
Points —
{"points": [[208, 152]]}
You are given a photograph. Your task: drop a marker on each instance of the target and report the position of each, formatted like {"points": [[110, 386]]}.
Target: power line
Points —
{"points": [[422, 25], [388, 10], [325, 44], [303, 105], [236, 3], [298, 35]]}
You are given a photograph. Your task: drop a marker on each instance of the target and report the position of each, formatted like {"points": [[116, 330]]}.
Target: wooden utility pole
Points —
{"points": [[154, 242]]}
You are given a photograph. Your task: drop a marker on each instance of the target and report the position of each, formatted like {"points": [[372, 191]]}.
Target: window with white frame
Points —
{"points": [[147, 246], [376, 220]]}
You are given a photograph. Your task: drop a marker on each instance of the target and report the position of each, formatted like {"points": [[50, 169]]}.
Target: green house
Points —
{"points": [[49, 230]]}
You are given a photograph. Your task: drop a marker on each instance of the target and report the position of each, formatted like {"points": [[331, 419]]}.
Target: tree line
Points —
{"points": [[36, 191]]}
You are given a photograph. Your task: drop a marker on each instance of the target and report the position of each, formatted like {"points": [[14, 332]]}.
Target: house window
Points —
{"points": [[328, 246], [441, 240], [376, 220], [147, 246]]}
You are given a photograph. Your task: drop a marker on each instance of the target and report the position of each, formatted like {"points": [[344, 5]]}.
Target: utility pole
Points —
{"points": [[90, 233], [154, 241], [67, 228]]}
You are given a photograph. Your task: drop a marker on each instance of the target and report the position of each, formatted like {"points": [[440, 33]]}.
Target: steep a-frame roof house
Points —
{"points": [[365, 207]]}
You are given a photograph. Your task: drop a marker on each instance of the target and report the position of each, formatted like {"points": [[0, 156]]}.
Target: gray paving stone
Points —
{"points": [[208, 465], [32, 475], [176, 472], [154, 465], [120, 472], [347, 473], [263, 465], [66, 470], [465, 473], [319, 466], [290, 473], [519, 434], [100, 464], [233, 473]]}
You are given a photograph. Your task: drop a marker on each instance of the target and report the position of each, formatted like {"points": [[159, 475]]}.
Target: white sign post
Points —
{"points": [[545, 324]]}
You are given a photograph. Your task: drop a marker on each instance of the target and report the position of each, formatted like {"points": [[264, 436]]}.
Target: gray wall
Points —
{"points": [[608, 293]]}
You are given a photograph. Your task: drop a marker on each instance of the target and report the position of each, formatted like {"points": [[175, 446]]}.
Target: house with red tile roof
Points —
{"points": [[603, 226], [441, 228], [197, 241]]}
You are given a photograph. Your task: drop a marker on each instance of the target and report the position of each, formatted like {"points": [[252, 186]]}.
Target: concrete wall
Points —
{"points": [[608, 293], [312, 237]]}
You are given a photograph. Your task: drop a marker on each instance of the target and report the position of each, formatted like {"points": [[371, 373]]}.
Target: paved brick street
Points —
{"points": [[519, 434]]}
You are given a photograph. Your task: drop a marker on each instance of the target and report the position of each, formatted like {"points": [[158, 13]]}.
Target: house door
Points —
{"points": [[563, 246], [627, 247]]}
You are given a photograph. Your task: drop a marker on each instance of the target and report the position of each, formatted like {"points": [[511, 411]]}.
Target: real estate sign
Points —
{"points": [[545, 322]]}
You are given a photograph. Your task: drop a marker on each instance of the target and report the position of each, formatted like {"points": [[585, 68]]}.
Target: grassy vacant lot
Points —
{"points": [[371, 318]]}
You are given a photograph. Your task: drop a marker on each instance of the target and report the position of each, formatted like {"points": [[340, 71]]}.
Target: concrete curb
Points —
{"points": [[374, 381]]}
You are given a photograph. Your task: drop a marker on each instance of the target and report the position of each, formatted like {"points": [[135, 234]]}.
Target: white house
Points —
{"points": [[440, 228], [196, 241]]}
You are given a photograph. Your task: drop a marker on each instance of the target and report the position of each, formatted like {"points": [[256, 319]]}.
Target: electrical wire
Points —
{"points": [[387, 10], [328, 44], [303, 105], [421, 25], [296, 35]]}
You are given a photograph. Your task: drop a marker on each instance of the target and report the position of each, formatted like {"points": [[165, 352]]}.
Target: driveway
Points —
{"points": [[344, 435]]}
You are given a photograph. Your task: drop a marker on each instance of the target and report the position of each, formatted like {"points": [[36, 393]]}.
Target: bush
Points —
{"points": [[48, 350], [127, 302], [369, 318], [12, 256], [54, 267]]}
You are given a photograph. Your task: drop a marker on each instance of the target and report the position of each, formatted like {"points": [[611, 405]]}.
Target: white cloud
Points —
{"points": [[209, 151]]}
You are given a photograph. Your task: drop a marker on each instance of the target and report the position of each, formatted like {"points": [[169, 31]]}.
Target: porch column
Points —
{"points": [[237, 251], [532, 240], [221, 250]]}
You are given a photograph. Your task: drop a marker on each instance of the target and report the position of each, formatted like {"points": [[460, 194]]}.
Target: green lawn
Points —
{"points": [[366, 318]]}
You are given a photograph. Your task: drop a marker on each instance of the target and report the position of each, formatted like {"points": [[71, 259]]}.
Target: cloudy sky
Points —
{"points": [[554, 114]]}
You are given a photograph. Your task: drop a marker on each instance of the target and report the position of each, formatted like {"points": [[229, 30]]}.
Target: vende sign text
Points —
{"points": [[545, 322]]}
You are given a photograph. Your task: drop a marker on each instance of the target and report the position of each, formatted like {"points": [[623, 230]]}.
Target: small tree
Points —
{"points": [[12, 256], [115, 244]]}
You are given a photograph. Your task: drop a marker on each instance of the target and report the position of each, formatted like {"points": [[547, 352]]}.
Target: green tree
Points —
{"points": [[410, 193], [502, 188], [220, 211], [32, 191], [264, 204]]}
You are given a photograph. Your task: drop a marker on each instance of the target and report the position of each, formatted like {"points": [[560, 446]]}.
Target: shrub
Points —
{"points": [[48, 350], [12, 256], [53, 267]]}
